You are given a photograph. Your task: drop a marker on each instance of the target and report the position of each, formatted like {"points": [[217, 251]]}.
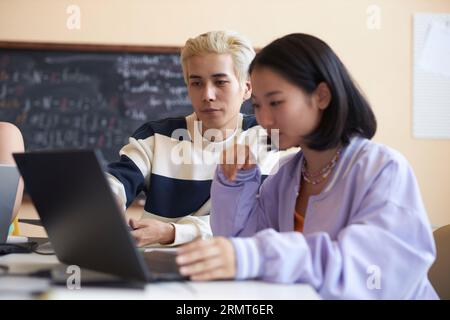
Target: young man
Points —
{"points": [[176, 175]]}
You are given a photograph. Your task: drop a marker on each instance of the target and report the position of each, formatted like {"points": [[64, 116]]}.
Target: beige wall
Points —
{"points": [[380, 60]]}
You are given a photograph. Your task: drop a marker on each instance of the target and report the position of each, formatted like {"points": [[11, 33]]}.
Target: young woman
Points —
{"points": [[344, 215], [11, 141]]}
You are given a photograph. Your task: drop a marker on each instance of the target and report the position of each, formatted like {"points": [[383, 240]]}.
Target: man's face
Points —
{"points": [[214, 90]]}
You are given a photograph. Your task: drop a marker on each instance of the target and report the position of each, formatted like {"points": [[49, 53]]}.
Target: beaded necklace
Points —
{"points": [[323, 173]]}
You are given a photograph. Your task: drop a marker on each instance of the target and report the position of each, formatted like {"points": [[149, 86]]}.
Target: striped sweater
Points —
{"points": [[174, 165]]}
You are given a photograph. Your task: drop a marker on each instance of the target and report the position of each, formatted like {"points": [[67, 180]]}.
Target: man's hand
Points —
{"points": [[207, 259], [151, 231], [119, 203], [237, 157]]}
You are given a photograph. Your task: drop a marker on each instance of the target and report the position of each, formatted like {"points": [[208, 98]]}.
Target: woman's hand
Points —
{"points": [[209, 259], [237, 157]]}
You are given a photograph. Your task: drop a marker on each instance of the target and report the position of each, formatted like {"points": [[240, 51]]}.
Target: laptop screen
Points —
{"points": [[9, 179]]}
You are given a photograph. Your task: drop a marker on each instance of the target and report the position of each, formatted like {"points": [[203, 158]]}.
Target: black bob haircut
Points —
{"points": [[306, 61]]}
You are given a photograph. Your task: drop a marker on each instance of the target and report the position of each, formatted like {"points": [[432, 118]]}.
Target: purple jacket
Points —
{"points": [[366, 235]]}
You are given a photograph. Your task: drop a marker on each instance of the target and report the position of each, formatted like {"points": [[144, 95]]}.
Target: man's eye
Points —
{"points": [[255, 105], [195, 83], [221, 82]]}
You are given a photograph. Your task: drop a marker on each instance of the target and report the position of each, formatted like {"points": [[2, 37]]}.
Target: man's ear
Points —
{"points": [[247, 90], [322, 95]]}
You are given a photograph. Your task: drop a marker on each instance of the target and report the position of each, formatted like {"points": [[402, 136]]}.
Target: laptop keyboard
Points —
{"points": [[162, 264]]}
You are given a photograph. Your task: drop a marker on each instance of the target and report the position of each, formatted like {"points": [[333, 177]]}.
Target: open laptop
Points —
{"points": [[9, 179], [83, 221]]}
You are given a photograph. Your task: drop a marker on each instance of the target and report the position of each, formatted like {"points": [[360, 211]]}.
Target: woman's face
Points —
{"points": [[278, 104]]}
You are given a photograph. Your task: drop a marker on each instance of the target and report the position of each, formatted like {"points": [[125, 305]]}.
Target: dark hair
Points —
{"points": [[306, 61]]}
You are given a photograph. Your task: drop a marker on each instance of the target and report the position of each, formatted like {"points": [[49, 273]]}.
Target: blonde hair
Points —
{"points": [[220, 42]]}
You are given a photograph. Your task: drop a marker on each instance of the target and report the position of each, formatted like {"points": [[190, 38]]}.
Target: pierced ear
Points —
{"points": [[323, 95], [247, 90]]}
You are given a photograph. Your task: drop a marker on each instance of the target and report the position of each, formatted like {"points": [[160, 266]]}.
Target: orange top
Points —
{"points": [[299, 221]]}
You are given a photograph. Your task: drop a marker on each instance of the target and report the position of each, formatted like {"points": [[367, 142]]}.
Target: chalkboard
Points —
{"points": [[85, 96]]}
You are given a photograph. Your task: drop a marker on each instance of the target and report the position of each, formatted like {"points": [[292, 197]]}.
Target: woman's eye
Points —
{"points": [[275, 103]]}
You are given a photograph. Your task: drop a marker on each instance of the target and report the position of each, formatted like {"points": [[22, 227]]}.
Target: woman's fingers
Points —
{"points": [[207, 259], [230, 171], [214, 274], [202, 266], [234, 159], [194, 245], [197, 251]]}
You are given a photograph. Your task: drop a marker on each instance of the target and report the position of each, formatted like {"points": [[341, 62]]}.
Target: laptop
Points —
{"points": [[83, 221], [9, 180]]}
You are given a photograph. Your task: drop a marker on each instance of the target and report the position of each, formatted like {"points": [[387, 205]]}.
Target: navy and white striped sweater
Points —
{"points": [[176, 175]]}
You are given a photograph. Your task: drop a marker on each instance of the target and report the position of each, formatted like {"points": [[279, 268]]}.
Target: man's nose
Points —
{"points": [[209, 93]]}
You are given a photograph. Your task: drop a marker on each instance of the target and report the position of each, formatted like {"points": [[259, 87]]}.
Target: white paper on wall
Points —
{"points": [[431, 76], [436, 52]]}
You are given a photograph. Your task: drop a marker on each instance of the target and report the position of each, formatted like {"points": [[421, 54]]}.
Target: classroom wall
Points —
{"points": [[379, 59]]}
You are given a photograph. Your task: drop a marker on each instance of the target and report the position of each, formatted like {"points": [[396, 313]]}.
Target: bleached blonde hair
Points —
{"points": [[220, 42]]}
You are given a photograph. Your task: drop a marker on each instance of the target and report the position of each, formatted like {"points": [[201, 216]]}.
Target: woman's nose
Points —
{"points": [[264, 118]]}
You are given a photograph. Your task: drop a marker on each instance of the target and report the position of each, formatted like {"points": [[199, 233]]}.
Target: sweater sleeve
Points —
{"points": [[130, 174], [236, 208], [191, 227]]}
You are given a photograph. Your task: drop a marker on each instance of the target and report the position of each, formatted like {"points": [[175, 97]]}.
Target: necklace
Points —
{"points": [[318, 177]]}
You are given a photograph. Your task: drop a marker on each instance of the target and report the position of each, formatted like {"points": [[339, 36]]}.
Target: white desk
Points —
{"points": [[215, 290]]}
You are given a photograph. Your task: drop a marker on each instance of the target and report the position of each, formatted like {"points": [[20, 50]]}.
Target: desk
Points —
{"points": [[214, 290]]}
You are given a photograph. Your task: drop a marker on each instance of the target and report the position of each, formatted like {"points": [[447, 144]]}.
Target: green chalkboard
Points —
{"points": [[87, 96]]}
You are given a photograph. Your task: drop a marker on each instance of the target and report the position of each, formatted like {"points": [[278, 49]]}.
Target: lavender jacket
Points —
{"points": [[366, 235]]}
